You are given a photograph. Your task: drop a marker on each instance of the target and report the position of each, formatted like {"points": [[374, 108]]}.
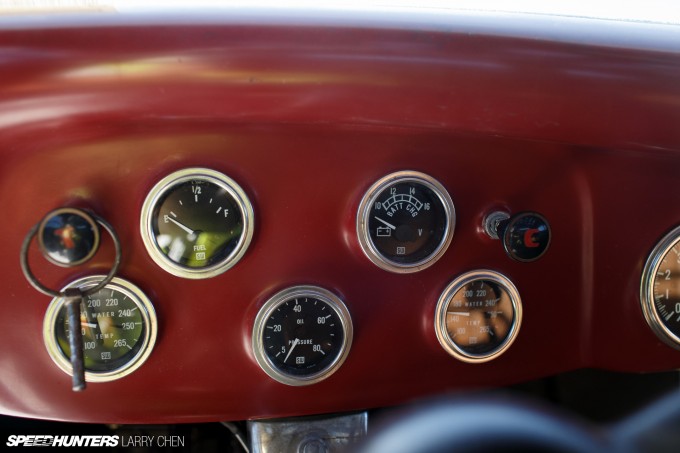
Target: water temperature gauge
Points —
{"points": [[118, 325], [478, 316], [405, 222]]}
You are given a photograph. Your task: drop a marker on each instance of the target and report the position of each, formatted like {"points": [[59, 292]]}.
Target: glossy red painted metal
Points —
{"points": [[305, 119]]}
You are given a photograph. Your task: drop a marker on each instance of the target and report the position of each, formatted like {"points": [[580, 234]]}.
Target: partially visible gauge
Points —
{"points": [[118, 324], [660, 289], [197, 223], [405, 222], [302, 335], [478, 316]]}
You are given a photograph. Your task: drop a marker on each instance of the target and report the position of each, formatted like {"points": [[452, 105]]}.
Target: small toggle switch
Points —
{"points": [[526, 235]]}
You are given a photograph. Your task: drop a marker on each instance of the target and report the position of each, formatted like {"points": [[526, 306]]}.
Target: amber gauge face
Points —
{"points": [[660, 289], [478, 316], [197, 223]]}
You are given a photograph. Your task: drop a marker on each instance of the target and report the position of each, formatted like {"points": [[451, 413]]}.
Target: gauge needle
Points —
{"points": [[378, 218], [295, 343], [89, 324], [458, 313], [182, 226]]}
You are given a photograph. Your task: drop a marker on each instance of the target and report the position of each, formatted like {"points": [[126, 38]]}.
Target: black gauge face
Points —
{"points": [[660, 289], [302, 335], [117, 324], [112, 328], [406, 222], [478, 316], [196, 223]]}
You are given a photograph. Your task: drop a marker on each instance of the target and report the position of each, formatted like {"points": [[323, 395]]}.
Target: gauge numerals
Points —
{"points": [[666, 291], [302, 335], [197, 223], [405, 222]]}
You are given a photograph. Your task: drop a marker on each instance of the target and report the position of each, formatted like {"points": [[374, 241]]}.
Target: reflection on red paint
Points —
{"points": [[67, 236], [529, 238]]}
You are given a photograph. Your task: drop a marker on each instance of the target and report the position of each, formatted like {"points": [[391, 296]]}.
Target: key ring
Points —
{"points": [[69, 237]]}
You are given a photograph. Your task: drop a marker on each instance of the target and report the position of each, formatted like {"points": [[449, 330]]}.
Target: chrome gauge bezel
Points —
{"points": [[333, 301], [210, 176], [440, 315], [663, 247], [146, 310], [364, 211]]}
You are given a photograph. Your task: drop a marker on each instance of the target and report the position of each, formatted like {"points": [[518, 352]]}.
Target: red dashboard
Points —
{"points": [[576, 120]]}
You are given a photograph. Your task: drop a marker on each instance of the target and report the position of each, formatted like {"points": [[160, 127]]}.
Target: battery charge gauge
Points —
{"points": [[405, 222]]}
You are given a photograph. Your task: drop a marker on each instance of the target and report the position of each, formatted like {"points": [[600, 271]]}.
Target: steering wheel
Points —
{"points": [[504, 424]]}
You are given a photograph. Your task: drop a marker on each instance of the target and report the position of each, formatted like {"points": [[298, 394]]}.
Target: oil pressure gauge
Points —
{"points": [[405, 222], [660, 289], [302, 335], [196, 223]]}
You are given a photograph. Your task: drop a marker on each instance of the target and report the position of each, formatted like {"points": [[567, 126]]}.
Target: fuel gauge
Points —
{"points": [[405, 222], [196, 223]]}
